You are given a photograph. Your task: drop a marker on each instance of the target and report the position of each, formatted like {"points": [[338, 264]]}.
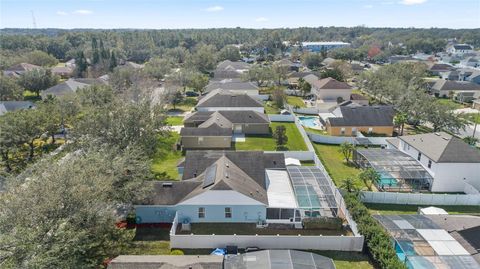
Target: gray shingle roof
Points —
{"points": [[230, 85], [23, 67], [218, 98], [229, 65], [443, 148], [462, 47], [66, 87], [211, 130], [171, 192], [253, 163], [167, 262], [364, 116], [8, 106], [449, 85]]}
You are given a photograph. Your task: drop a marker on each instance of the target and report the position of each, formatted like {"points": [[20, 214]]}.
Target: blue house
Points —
{"points": [[243, 186]]}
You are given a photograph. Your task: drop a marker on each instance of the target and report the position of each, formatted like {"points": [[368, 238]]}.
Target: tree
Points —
{"points": [[281, 139], [38, 80], [50, 117], [158, 68], [349, 185], [81, 64], [11, 138], [198, 82], [399, 120], [176, 98], [347, 150], [470, 140], [40, 58], [231, 53], [259, 74], [9, 90], [71, 224], [369, 177], [332, 73], [304, 86], [442, 117], [280, 72], [278, 97], [312, 60], [204, 58]]}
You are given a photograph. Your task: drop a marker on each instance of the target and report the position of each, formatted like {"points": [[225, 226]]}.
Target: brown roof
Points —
{"points": [[331, 83]]}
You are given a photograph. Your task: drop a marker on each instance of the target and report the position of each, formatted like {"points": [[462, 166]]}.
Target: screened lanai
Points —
{"points": [[398, 170]]}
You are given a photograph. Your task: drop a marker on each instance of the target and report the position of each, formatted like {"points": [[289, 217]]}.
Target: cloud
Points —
{"points": [[368, 6], [261, 19], [62, 13], [412, 2], [214, 9], [83, 12]]}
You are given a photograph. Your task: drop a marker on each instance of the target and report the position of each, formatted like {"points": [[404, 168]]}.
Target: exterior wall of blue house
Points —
{"points": [[213, 213]]}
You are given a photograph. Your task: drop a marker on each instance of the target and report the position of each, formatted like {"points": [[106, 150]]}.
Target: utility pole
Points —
{"points": [[33, 20]]}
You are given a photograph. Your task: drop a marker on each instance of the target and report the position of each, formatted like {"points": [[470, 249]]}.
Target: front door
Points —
{"points": [[237, 129]]}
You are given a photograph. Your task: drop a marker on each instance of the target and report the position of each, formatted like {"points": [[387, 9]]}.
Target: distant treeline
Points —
{"points": [[139, 45]]}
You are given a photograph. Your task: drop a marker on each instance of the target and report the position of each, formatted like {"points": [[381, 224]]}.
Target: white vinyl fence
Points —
{"points": [[281, 118], [420, 198]]}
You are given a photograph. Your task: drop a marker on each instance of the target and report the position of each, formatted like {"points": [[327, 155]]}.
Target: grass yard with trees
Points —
{"points": [[267, 142]]}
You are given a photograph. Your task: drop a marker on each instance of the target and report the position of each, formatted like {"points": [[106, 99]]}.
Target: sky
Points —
{"points": [[175, 14]]}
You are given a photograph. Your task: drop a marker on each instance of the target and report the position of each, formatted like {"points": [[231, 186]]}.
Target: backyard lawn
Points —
{"points": [[174, 120], [164, 164], [295, 101], [186, 105], [267, 142], [448, 101], [347, 260], [334, 163], [394, 209], [271, 108]]}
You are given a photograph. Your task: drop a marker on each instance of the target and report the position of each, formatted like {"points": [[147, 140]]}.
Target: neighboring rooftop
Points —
{"points": [[9, 106], [443, 148], [217, 98], [228, 65], [167, 261], [450, 85], [231, 85], [462, 47], [363, 116], [66, 87], [273, 259]]}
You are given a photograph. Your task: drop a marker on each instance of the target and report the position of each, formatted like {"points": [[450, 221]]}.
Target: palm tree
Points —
{"points": [[369, 177], [349, 185], [400, 120], [347, 150]]}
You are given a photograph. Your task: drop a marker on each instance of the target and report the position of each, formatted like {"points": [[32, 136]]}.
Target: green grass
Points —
{"points": [[410, 130], [394, 209], [174, 120], [347, 260], [164, 163], [31, 96], [334, 163], [187, 104], [473, 117], [450, 102], [267, 142], [295, 101], [271, 108]]}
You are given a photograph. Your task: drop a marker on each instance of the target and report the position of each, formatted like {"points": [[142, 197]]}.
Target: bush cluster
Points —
{"points": [[378, 242]]}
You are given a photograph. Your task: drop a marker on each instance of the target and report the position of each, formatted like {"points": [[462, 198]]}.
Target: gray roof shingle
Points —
{"points": [[364, 116], [218, 98]]}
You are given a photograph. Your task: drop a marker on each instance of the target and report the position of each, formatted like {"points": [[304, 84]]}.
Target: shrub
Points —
{"points": [[323, 223], [176, 252], [379, 243]]}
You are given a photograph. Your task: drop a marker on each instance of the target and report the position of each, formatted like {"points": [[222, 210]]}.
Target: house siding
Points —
{"points": [[337, 130], [209, 142], [155, 214], [333, 94], [256, 128]]}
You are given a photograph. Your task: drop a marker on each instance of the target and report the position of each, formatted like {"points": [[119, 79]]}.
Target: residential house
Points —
{"points": [[348, 120], [323, 46], [460, 49], [67, 87], [9, 106], [218, 100], [476, 104], [229, 69], [470, 62], [62, 71], [451, 162], [239, 187], [329, 89], [293, 78], [401, 58], [214, 129], [359, 99], [291, 66], [474, 77], [166, 261], [19, 69], [445, 88], [450, 75], [436, 69], [328, 61], [233, 86], [466, 97]]}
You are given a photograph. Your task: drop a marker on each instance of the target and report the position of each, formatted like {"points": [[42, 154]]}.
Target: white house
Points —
{"points": [[449, 160], [460, 49], [329, 89]]}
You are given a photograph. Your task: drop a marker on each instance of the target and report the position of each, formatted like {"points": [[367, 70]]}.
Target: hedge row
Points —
{"points": [[379, 244]]}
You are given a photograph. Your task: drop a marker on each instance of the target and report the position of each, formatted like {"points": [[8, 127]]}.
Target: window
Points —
{"points": [[228, 212], [429, 163], [419, 157], [342, 131], [201, 212], [200, 139], [354, 131], [370, 130]]}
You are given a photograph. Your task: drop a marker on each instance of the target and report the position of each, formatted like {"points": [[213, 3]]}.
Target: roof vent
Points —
{"points": [[226, 175], [437, 134], [167, 185], [445, 138], [227, 165]]}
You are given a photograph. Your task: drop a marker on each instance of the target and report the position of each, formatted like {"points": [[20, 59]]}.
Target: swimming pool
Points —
{"points": [[388, 182], [309, 121]]}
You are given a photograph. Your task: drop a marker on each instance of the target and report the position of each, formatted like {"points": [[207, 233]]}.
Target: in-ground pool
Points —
{"points": [[388, 182], [310, 121]]}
